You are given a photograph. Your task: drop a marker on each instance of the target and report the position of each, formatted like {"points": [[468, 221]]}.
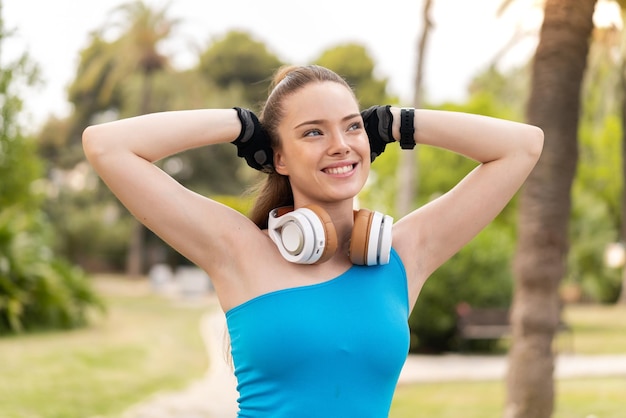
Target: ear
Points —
{"points": [[279, 163]]}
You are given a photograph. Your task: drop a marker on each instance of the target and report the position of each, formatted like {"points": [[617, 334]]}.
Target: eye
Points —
{"points": [[313, 132], [354, 126]]}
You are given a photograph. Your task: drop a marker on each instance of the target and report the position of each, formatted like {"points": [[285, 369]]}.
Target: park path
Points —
{"points": [[215, 395]]}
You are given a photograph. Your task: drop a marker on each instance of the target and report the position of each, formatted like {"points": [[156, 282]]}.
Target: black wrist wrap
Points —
{"points": [[407, 128], [377, 121], [253, 142]]}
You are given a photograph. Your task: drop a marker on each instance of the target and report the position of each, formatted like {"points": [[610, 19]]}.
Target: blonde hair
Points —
{"points": [[276, 191]]}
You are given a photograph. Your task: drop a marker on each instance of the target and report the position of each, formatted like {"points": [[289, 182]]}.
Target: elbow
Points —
{"points": [[93, 145], [88, 141], [534, 142]]}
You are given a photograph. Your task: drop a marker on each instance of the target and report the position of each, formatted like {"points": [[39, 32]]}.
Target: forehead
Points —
{"points": [[320, 100]]}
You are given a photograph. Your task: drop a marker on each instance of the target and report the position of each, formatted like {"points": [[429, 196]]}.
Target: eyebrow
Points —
{"points": [[320, 121]]}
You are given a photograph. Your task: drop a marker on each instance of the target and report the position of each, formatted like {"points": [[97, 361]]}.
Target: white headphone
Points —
{"points": [[307, 235]]}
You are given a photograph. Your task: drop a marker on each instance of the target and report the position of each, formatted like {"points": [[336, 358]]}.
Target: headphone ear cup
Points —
{"points": [[289, 230], [360, 237], [305, 235], [371, 238], [330, 234]]}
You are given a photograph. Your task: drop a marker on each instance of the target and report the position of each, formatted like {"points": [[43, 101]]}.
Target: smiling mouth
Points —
{"points": [[340, 170]]}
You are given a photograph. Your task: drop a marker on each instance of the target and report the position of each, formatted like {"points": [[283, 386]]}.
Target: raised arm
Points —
{"points": [[507, 151], [159, 135], [123, 153]]}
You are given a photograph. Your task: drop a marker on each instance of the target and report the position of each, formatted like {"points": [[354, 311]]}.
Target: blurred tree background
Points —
{"points": [[49, 192], [38, 288]]}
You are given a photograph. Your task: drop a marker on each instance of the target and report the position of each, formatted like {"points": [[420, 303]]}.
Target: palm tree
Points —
{"points": [[96, 85], [545, 201]]}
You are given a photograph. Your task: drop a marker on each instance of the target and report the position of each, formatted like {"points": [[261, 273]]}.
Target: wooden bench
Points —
{"points": [[482, 323], [488, 323]]}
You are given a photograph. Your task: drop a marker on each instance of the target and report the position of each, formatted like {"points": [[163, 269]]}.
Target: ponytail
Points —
{"points": [[274, 192]]}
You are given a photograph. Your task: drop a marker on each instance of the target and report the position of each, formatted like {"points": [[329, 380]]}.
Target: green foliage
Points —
{"points": [[591, 230], [95, 86], [238, 59], [600, 163], [601, 84], [92, 228], [504, 94], [353, 62], [19, 168], [37, 289], [597, 212]]}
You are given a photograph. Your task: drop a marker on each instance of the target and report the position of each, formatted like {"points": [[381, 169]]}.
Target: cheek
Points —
{"points": [[289, 160], [363, 146]]}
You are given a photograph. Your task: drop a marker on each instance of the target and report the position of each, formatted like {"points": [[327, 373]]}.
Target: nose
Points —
{"points": [[338, 143]]}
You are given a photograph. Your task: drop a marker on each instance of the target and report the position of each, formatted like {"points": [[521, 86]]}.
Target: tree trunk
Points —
{"points": [[407, 167], [542, 246]]}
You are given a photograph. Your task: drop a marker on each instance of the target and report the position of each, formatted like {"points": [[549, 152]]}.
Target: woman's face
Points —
{"points": [[324, 148]]}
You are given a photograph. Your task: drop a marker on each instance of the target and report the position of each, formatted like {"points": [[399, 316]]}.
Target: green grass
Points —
{"points": [[575, 398], [448, 400], [144, 344], [597, 329], [147, 344]]}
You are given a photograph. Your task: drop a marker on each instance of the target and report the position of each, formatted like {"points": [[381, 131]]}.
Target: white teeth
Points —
{"points": [[339, 170]]}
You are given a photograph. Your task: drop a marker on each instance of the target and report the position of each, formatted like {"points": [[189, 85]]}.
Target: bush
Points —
{"points": [[93, 233], [37, 289], [592, 227]]}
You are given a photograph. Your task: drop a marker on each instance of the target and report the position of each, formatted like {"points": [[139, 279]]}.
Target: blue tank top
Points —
{"points": [[333, 349]]}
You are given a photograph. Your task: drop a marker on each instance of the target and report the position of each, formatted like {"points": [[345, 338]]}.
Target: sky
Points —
{"points": [[467, 35]]}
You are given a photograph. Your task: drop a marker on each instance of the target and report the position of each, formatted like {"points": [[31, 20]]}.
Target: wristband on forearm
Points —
{"points": [[407, 128], [253, 143]]}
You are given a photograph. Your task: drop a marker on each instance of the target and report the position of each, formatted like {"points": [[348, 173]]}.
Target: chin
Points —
{"points": [[346, 193]]}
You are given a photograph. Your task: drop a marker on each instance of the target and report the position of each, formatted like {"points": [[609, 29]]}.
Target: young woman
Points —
{"points": [[323, 334]]}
